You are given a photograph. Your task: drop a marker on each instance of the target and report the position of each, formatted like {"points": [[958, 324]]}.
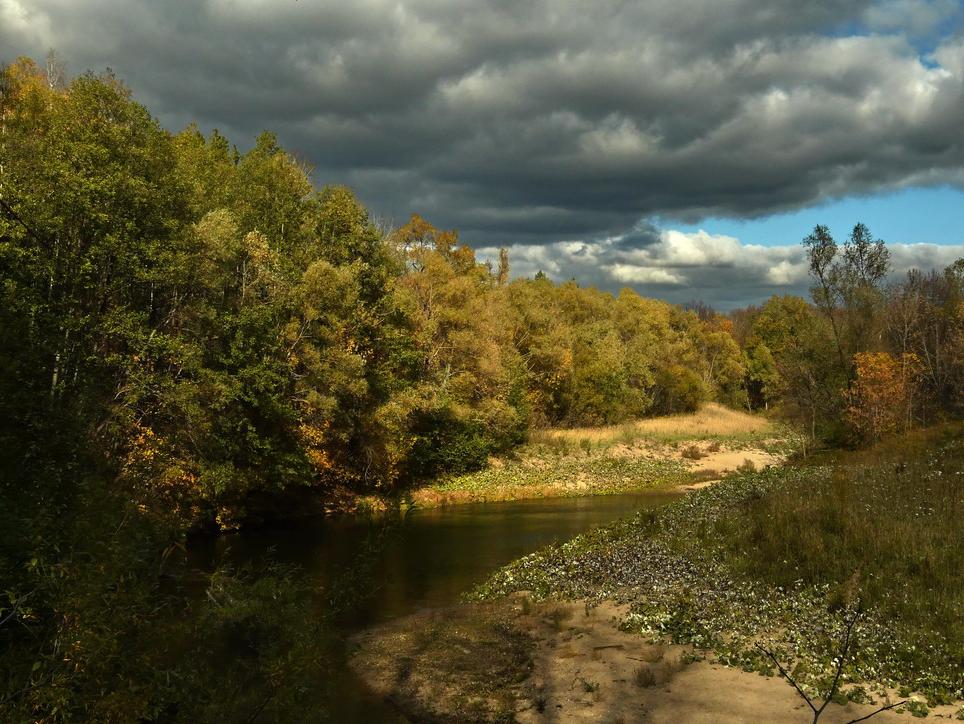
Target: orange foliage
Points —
{"points": [[880, 398]]}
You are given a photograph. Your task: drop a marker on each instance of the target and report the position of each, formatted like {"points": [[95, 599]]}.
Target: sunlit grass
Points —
{"points": [[593, 476], [776, 554], [644, 454], [713, 421]]}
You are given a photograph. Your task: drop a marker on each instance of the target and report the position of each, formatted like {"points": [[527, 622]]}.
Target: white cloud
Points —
{"points": [[682, 266], [785, 273], [632, 274]]}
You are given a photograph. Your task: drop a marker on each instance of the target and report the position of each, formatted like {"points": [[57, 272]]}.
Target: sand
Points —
{"points": [[581, 668]]}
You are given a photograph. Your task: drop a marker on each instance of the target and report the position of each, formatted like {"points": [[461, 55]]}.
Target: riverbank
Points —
{"points": [[669, 452], [520, 661], [783, 557]]}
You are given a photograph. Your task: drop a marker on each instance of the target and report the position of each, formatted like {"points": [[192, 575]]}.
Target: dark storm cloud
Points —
{"points": [[553, 119]]}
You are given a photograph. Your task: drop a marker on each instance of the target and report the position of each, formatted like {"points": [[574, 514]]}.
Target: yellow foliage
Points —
{"points": [[315, 439], [880, 398]]}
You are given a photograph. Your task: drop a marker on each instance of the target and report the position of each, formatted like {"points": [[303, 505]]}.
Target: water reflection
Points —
{"points": [[437, 555]]}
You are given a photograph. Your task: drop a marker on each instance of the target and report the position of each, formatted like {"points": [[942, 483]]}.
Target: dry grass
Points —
{"points": [[693, 452], [654, 653], [713, 420], [644, 677]]}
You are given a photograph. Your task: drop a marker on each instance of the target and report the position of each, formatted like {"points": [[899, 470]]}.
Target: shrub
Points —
{"points": [[644, 677], [692, 452], [679, 389]]}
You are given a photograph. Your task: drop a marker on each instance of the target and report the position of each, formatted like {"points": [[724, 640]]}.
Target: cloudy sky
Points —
{"points": [[682, 148]]}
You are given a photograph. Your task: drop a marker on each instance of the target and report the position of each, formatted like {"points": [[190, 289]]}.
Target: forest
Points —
{"points": [[196, 338]]}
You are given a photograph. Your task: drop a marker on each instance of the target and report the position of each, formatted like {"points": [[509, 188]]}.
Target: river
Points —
{"points": [[436, 556]]}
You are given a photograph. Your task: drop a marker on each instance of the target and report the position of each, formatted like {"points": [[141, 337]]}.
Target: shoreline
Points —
{"points": [[514, 660], [597, 613]]}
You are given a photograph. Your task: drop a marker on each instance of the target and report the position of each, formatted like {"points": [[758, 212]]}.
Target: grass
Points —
{"points": [[644, 677], [713, 421], [599, 461], [777, 555], [595, 476], [889, 525]]}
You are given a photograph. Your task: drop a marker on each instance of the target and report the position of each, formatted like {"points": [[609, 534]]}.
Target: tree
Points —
{"points": [[763, 380], [848, 288], [804, 352], [821, 252], [925, 317], [881, 395]]}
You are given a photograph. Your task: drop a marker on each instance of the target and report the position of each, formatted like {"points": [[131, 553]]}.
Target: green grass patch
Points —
{"points": [[776, 556], [595, 475]]}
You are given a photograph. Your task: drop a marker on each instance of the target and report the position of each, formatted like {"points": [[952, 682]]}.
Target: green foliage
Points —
{"points": [[593, 360], [802, 357], [189, 333]]}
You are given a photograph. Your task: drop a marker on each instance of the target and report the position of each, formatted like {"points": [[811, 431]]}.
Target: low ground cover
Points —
{"points": [[660, 452], [781, 556], [599, 475]]}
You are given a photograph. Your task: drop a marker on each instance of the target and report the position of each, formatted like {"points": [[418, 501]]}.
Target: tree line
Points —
{"points": [[869, 356], [190, 334], [212, 327]]}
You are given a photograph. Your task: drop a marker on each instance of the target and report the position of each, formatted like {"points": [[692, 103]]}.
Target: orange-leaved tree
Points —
{"points": [[881, 395]]}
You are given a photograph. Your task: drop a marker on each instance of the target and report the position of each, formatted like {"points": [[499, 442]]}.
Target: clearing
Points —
{"points": [[687, 451]]}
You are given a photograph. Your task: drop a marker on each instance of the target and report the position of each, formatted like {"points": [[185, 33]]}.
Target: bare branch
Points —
{"points": [[840, 661], [883, 708], [786, 675]]}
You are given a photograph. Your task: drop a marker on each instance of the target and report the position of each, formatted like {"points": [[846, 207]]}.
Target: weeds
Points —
{"points": [[747, 466], [692, 452], [590, 687], [558, 615], [772, 554], [644, 677]]}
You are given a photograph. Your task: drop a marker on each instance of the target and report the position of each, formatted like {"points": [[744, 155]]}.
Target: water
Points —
{"points": [[438, 555]]}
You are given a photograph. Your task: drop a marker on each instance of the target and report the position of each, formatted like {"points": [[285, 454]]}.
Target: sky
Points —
{"points": [[681, 148]]}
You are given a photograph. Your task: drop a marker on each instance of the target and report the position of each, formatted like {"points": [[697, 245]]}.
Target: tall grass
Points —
{"points": [[888, 522], [711, 421]]}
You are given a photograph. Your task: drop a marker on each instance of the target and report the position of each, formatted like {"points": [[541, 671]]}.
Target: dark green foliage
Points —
{"points": [[680, 390], [442, 443], [191, 335]]}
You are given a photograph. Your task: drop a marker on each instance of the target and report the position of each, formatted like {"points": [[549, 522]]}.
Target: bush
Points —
{"points": [[679, 389]]}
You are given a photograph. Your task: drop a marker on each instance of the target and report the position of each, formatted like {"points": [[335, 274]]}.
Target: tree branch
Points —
{"points": [[786, 675], [883, 708]]}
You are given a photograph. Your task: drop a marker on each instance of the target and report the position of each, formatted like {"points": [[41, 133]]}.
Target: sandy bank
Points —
{"points": [[562, 662]]}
